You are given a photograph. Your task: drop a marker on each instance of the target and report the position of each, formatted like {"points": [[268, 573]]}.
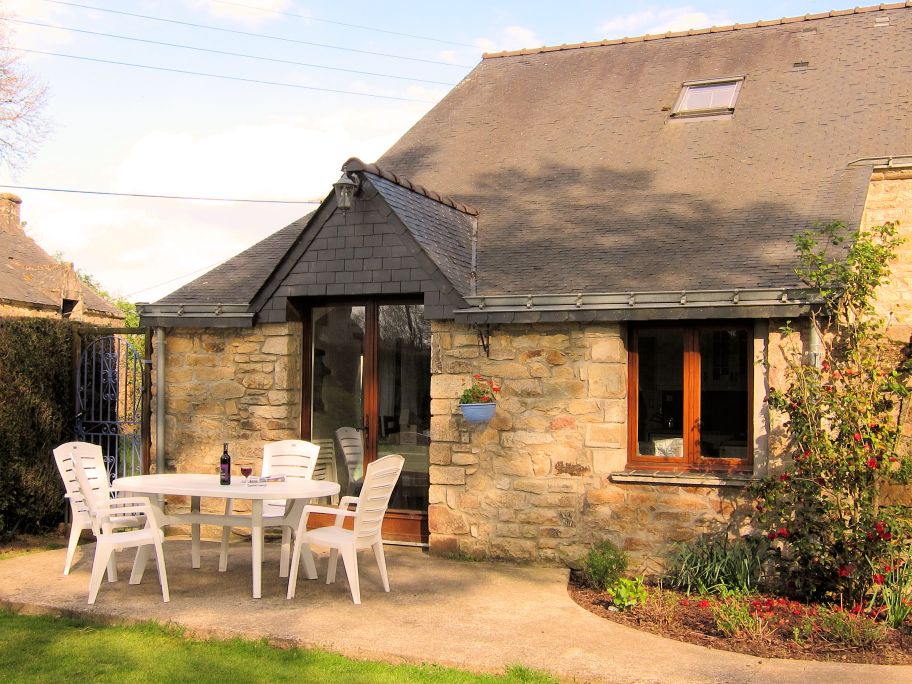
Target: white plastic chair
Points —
{"points": [[106, 517], [90, 456], [370, 507], [293, 458]]}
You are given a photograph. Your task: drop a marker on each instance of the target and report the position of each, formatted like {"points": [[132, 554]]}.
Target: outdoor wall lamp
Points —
{"points": [[345, 189]]}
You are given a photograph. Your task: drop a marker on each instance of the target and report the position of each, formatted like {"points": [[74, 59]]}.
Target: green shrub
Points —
{"points": [[36, 414], [626, 593], [848, 629], [604, 565], [891, 592], [734, 619], [713, 564]]}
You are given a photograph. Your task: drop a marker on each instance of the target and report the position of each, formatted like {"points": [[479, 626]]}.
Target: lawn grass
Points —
{"points": [[55, 649], [30, 543]]}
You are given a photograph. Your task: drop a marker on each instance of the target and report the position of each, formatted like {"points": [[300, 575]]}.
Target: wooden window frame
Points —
{"points": [[692, 460]]}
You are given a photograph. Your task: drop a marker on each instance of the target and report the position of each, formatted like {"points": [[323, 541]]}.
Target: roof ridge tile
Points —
{"points": [[356, 165], [699, 31]]}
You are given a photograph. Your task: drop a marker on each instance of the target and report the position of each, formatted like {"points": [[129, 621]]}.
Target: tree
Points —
{"points": [[22, 99], [846, 412]]}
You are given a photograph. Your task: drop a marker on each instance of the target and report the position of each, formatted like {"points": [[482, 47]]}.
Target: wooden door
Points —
{"points": [[367, 394]]}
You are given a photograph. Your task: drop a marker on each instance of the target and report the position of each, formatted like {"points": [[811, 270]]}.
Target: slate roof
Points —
{"points": [[583, 183], [238, 280]]}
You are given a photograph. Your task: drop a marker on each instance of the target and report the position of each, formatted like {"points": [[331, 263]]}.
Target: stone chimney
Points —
{"points": [[9, 213]]}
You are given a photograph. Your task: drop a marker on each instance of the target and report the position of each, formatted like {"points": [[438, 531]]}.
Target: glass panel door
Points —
{"points": [[337, 396], [403, 393]]}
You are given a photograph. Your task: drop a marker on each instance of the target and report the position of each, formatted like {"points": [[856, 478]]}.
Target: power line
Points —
{"points": [[257, 35], [224, 52], [170, 197], [342, 23], [221, 76]]}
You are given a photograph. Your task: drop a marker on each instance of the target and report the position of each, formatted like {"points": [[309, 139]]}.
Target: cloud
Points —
{"points": [[510, 38], [653, 20], [284, 158]]}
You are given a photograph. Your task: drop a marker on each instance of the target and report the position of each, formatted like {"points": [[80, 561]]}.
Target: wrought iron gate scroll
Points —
{"points": [[113, 396]]}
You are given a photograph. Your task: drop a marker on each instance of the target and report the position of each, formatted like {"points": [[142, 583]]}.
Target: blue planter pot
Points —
{"points": [[478, 413]]}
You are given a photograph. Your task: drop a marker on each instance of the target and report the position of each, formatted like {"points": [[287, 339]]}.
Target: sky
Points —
{"points": [[306, 86]]}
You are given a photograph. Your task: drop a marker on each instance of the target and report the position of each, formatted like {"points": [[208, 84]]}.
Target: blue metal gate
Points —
{"points": [[112, 398]]}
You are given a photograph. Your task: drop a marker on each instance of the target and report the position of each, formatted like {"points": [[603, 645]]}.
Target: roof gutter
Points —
{"points": [[195, 315], [657, 305]]}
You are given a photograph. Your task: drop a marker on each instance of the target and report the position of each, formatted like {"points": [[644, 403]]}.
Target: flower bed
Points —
{"points": [[758, 625]]}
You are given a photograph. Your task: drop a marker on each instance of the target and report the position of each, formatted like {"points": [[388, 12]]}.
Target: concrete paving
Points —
{"points": [[477, 616]]}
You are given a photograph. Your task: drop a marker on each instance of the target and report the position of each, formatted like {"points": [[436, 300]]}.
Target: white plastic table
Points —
{"points": [[296, 490]]}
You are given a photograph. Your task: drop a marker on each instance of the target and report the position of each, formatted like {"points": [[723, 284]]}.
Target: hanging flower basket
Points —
{"points": [[478, 401], [477, 414]]}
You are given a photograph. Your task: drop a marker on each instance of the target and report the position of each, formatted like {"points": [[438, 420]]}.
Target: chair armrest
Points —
{"points": [[329, 510], [347, 501], [130, 505]]}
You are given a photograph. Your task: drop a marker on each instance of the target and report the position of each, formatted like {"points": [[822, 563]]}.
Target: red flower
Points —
{"points": [[771, 535], [825, 365], [878, 579], [782, 532], [888, 568], [477, 376], [879, 527], [784, 477], [845, 571], [857, 436], [886, 536], [872, 463], [684, 602], [703, 603], [837, 374]]}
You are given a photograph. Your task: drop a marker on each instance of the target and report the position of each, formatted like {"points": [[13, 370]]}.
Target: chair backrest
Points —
{"points": [[71, 455], [379, 481], [352, 445], [291, 458], [92, 477]]}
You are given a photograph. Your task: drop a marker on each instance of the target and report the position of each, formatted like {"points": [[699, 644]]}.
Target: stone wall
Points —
{"points": [[535, 484], [241, 386], [890, 199]]}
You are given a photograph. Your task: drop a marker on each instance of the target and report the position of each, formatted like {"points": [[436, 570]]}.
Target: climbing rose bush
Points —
{"points": [[845, 412]]}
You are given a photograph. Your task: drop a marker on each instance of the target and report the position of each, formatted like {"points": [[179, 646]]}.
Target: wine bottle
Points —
{"points": [[225, 467]]}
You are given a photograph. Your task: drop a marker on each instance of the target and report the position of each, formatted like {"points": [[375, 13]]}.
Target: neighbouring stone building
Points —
{"points": [[34, 284], [606, 230]]}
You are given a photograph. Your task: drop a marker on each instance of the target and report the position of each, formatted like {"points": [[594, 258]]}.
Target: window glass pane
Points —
{"points": [[660, 383], [723, 393], [711, 96], [405, 399], [337, 394]]}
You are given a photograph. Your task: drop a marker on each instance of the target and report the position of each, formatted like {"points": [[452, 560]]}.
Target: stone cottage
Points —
{"points": [[607, 230], [35, 284]]}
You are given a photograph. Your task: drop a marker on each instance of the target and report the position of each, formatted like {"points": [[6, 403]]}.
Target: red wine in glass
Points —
{"points": [[246, 469]]}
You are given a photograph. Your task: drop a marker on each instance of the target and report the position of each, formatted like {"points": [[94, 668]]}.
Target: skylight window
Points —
{"points": [[708, 98]]}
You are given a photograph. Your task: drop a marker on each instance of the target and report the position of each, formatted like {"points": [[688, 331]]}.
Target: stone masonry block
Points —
{"points": [[446, 475]]}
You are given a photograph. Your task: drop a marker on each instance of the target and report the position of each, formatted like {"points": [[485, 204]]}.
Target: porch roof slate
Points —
{"points": [[444, 232]]}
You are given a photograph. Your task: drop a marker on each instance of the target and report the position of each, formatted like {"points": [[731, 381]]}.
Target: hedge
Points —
{"points": [[36, 414]]}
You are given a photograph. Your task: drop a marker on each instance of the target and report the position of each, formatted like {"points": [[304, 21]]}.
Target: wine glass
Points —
{"points": [[246, 470]]}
